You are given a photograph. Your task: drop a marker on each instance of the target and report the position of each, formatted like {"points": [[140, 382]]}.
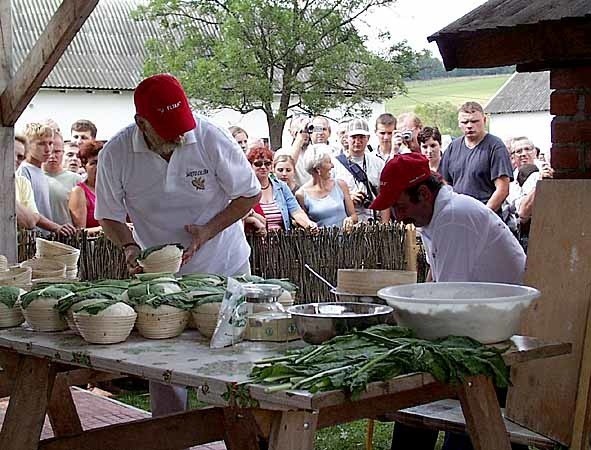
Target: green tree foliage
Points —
{"points": [[443, 115], [431, 67], [246, 54]]}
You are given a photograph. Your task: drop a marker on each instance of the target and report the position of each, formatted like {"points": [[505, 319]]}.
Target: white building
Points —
{"points": [[98, 72], [521, 107]]}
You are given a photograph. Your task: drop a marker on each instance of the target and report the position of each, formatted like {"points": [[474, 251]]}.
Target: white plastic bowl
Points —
{"points": [[487, 312]]}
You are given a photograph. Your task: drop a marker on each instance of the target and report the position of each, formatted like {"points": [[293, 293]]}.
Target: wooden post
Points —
{"points": [[7, 199], [410, 248]]}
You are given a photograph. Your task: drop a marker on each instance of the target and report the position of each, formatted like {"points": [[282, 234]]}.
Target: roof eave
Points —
{"points": [[532, 47]]}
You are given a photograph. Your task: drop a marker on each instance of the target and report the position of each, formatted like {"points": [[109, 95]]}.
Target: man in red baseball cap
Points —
{"points": [[463, 239], [180, 178]]}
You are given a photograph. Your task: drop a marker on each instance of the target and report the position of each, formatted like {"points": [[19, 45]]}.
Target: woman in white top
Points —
{"points": [[326, 201]]}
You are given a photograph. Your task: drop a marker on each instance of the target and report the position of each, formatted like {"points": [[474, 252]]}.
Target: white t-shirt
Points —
{"points": [[200, 180], [40, 186], [466, 241], [373, 168]]}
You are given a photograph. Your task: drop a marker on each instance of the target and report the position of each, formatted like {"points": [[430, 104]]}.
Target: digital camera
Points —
{"points": [[314, 129], [406, 135], [366, 202]]}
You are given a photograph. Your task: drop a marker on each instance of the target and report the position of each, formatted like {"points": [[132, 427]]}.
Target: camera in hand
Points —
{"points": [[366, 202], [314, 129], [406, 135]]}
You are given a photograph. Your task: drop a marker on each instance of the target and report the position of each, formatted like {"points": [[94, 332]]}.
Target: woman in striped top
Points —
{"points": [[277, 201]]}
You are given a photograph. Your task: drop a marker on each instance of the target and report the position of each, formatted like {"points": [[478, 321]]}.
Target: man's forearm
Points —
{"points": [[500, 194], [118, 232], [235, 211], [47, 224]]}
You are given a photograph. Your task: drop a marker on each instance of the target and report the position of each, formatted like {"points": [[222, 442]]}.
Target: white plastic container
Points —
{"points": [[487, 312]]}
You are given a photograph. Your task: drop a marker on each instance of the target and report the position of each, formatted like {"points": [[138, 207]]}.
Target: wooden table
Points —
{"points": [[39, 368]]}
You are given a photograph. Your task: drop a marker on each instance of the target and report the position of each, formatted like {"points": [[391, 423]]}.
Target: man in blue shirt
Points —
{"points": [[477, 164]]}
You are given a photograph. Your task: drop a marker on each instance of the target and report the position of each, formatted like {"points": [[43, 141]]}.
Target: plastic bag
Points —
{"points": [[232, 317]]}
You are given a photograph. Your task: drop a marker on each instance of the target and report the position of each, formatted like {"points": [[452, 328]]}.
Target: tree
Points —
{"points": [[443, 115], [239, 53]]}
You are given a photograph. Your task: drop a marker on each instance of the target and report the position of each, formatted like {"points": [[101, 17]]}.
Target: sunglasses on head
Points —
{"points": [[267, 163]]}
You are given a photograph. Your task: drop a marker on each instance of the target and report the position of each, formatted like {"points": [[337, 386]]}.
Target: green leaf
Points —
{"points": [[9, 295]]}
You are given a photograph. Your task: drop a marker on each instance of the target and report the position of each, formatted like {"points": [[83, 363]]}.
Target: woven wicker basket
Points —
{"points": [[10, 317], [162, 322], [42, 316]]}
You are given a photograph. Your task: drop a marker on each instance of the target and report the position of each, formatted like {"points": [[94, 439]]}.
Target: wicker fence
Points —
{"points": [[280, 255]]}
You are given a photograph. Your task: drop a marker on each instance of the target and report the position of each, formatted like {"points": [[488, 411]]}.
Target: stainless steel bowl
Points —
{"points": [[318, 322]]}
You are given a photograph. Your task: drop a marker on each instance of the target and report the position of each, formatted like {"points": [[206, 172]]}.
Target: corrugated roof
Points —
{"points": [[107, 53], [496, 14], [523, 92]]}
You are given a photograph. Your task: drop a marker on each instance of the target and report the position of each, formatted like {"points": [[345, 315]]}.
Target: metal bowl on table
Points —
{"points": [[319, 322]]}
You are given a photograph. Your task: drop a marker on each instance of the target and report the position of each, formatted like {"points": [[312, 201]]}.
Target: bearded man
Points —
{"points": [[179, 178]]}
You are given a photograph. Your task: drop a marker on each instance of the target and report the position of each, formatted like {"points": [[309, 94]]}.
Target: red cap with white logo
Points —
{"points": [[400, 173], [161, 100]]}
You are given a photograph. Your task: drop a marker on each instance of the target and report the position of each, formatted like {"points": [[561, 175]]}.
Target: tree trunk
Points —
{"points": [[275, 131]]}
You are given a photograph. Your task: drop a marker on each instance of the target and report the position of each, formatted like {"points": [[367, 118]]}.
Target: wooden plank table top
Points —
{"points": [[189, 361]]}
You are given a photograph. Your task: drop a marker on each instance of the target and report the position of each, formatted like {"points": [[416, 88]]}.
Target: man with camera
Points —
{"points": [[360, 170], [407, 131]]}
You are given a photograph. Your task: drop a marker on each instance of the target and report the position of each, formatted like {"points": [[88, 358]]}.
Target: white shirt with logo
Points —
{"points": [[467, 241], [202, 177]]}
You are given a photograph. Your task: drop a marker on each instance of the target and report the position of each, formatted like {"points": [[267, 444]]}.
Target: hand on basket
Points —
{"points": [[131, 253]]}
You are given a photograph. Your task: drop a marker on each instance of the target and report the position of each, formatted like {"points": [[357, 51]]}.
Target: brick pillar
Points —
{"points": [[571, 127]]}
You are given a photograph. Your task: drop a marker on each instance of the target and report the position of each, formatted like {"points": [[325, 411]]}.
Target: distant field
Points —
{"points": [[454, 90]]}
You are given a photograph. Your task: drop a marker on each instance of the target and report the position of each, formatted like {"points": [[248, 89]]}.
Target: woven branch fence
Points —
{"points": [[279, 255]]}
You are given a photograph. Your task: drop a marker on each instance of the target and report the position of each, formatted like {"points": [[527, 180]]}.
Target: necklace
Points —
{"points": [[266, 187]]}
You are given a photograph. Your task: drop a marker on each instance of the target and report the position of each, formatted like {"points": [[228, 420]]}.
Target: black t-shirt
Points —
{"points": [[473, 171]]}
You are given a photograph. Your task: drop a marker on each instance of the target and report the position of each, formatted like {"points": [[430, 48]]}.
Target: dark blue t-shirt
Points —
{"points": [[473, 171]]}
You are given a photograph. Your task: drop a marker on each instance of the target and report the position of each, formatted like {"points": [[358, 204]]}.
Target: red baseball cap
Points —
{"points": [[161, 100], [399, 174]]}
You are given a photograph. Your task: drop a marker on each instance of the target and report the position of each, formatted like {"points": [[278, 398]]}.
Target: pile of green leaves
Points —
{"points": [[96, 307], [379, 353], [283, 282], [161, 285], [176, 300], [194, 280], [98, 291], [46, 292], [9, 295]]}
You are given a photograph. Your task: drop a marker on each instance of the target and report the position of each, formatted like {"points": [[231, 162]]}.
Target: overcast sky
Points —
{"points": [[414, 20]]}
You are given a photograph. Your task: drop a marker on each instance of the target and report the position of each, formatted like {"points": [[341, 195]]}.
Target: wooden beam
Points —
{"points": [[5, 44], [174, 431], [532, 45], [26, 410], [7, 195], [61, 29]]}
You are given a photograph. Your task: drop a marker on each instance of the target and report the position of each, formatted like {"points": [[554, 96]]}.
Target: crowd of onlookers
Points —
{"points": [[55, 178], [320, 180]]}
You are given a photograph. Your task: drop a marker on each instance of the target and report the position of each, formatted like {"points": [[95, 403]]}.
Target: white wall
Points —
{"points": [[534, 125], [109, 111], [112, 111]]}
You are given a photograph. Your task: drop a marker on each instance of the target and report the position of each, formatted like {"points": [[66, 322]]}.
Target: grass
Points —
{"points": [[349, 436], [455, 90]]}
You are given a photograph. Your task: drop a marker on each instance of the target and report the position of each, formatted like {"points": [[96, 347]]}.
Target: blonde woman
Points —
{"points": [[326, 201], [284, 170]]}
